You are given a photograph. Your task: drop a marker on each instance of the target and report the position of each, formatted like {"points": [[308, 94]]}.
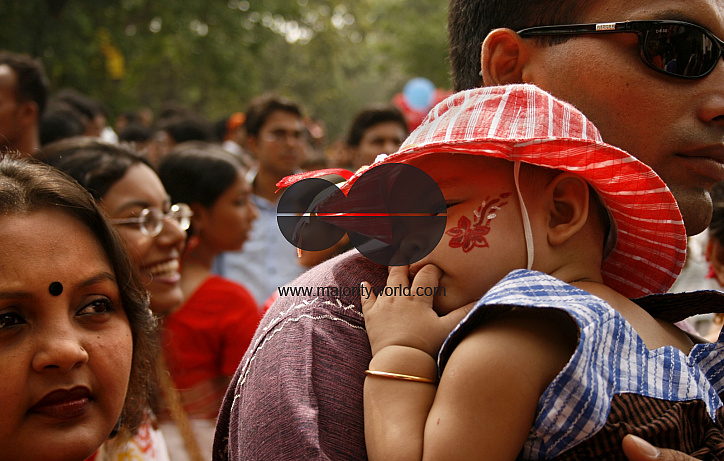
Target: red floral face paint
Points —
{"points": [[470, 234]]}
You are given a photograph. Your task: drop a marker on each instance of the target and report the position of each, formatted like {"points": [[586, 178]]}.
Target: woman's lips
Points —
{"points": [[166, 271], [64, 404]]}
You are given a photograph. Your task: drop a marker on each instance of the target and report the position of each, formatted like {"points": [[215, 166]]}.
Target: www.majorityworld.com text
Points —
{"points": [[364, 292]]}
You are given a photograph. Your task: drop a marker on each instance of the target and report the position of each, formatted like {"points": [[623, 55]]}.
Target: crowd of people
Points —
{"points": [[194, 203], [141, 260]]}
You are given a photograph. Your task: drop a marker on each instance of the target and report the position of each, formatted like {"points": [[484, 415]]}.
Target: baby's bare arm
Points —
{"points": [[405, 336], [491, 384]]}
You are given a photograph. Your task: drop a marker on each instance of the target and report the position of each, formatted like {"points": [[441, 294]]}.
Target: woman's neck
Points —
{"points": [[196, 267]]}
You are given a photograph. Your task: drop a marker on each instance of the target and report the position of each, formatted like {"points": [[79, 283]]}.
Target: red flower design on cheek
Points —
{"points": [[468, 235]]}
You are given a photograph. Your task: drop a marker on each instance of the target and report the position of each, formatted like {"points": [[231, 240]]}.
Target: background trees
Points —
{"points": [[334, 56]]}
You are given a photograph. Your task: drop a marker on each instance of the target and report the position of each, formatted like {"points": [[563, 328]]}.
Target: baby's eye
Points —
{"points": [[439, 208], [97, 306], [10, 319]]}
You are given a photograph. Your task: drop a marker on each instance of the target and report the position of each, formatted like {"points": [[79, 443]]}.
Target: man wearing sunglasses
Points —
{"points": [[649, 74], [654, 87]]}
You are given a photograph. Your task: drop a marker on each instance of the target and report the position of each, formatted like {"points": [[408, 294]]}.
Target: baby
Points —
{"points": [[557, 231]]}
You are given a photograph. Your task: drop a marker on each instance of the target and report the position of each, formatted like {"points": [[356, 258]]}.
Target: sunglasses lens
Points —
{"points": [[681, 50]]}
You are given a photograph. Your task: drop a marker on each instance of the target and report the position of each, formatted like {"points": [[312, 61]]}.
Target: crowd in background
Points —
{"points": [[178, 156], [194, 201]]}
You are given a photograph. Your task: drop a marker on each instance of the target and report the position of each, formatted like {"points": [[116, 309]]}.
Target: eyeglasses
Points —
{"points": [[150, 221], [675, 48], [282, 135]]}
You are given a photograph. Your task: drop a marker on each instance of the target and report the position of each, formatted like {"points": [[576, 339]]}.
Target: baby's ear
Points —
{"points": [[503, 57], [567, 197]]}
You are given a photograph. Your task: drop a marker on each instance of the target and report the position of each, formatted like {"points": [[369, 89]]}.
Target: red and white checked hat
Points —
{"points": [[523, 123]]}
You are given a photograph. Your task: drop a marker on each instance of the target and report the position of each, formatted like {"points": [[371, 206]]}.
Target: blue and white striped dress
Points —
{"points": [[610, 362]]}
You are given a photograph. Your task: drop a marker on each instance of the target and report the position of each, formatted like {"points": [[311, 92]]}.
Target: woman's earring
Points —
{"points": [[116, 428]]}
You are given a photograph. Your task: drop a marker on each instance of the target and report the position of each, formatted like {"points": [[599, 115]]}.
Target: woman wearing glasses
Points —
{"points": [[153, 230], [130, 192], [206, 338]]}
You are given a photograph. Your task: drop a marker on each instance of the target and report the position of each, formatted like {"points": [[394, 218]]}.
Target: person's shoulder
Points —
{"points": [[536, 343], [338, 278], [227, 287], [328, 291], [344, 268], [532, 297], [218, 294]]}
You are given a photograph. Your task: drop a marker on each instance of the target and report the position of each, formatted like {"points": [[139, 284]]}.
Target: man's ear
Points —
{"points": [[567, 196], [503, 57], [251, 144], [27, 113], [715, 256]]}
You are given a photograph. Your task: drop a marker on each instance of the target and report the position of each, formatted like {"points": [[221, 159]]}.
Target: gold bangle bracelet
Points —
{"points": [[384, 374]]}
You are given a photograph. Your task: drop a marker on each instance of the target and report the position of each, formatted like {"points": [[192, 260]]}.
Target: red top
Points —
{"points": [[206, 338]]}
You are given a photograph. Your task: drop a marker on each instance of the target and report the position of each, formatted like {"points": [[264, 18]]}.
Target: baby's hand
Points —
{"points": [[410, 321]]}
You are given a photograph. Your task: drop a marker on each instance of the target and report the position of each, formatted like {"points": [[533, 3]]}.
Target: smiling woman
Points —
{"points": [[76, 334], [130, 192]]}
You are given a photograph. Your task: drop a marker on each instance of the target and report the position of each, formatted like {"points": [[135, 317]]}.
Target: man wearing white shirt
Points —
{"points": [[275, 137]]}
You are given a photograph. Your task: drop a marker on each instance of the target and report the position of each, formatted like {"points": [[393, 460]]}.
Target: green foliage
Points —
{"points": [[214, 55]]}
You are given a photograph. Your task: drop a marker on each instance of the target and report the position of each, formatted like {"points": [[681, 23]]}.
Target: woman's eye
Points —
{"points": [[10, 319], [97, 306]]}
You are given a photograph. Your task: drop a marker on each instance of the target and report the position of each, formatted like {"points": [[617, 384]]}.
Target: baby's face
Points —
{"points": [[483, 239]]}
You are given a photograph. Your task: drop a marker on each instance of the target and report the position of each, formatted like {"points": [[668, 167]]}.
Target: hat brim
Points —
{"points": [[639, 264]]}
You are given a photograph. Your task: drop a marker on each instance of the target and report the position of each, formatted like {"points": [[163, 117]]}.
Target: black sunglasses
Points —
{"points": [[676, 48]]}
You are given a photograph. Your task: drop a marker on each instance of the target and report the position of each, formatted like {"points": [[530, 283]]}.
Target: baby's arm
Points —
{"points": [[405, 335], [486, 401]]}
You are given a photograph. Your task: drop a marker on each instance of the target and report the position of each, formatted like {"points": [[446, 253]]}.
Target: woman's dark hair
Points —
{"points": [[97, 165], [29, 187], [60, 121], [198, 172], [190, 127]]}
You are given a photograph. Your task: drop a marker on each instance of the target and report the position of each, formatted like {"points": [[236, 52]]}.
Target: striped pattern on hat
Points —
{"points": [[524, 123]]}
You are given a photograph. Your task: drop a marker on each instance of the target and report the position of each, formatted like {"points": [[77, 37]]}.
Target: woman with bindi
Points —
{"points": [[76, 342], [151, 227]]}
